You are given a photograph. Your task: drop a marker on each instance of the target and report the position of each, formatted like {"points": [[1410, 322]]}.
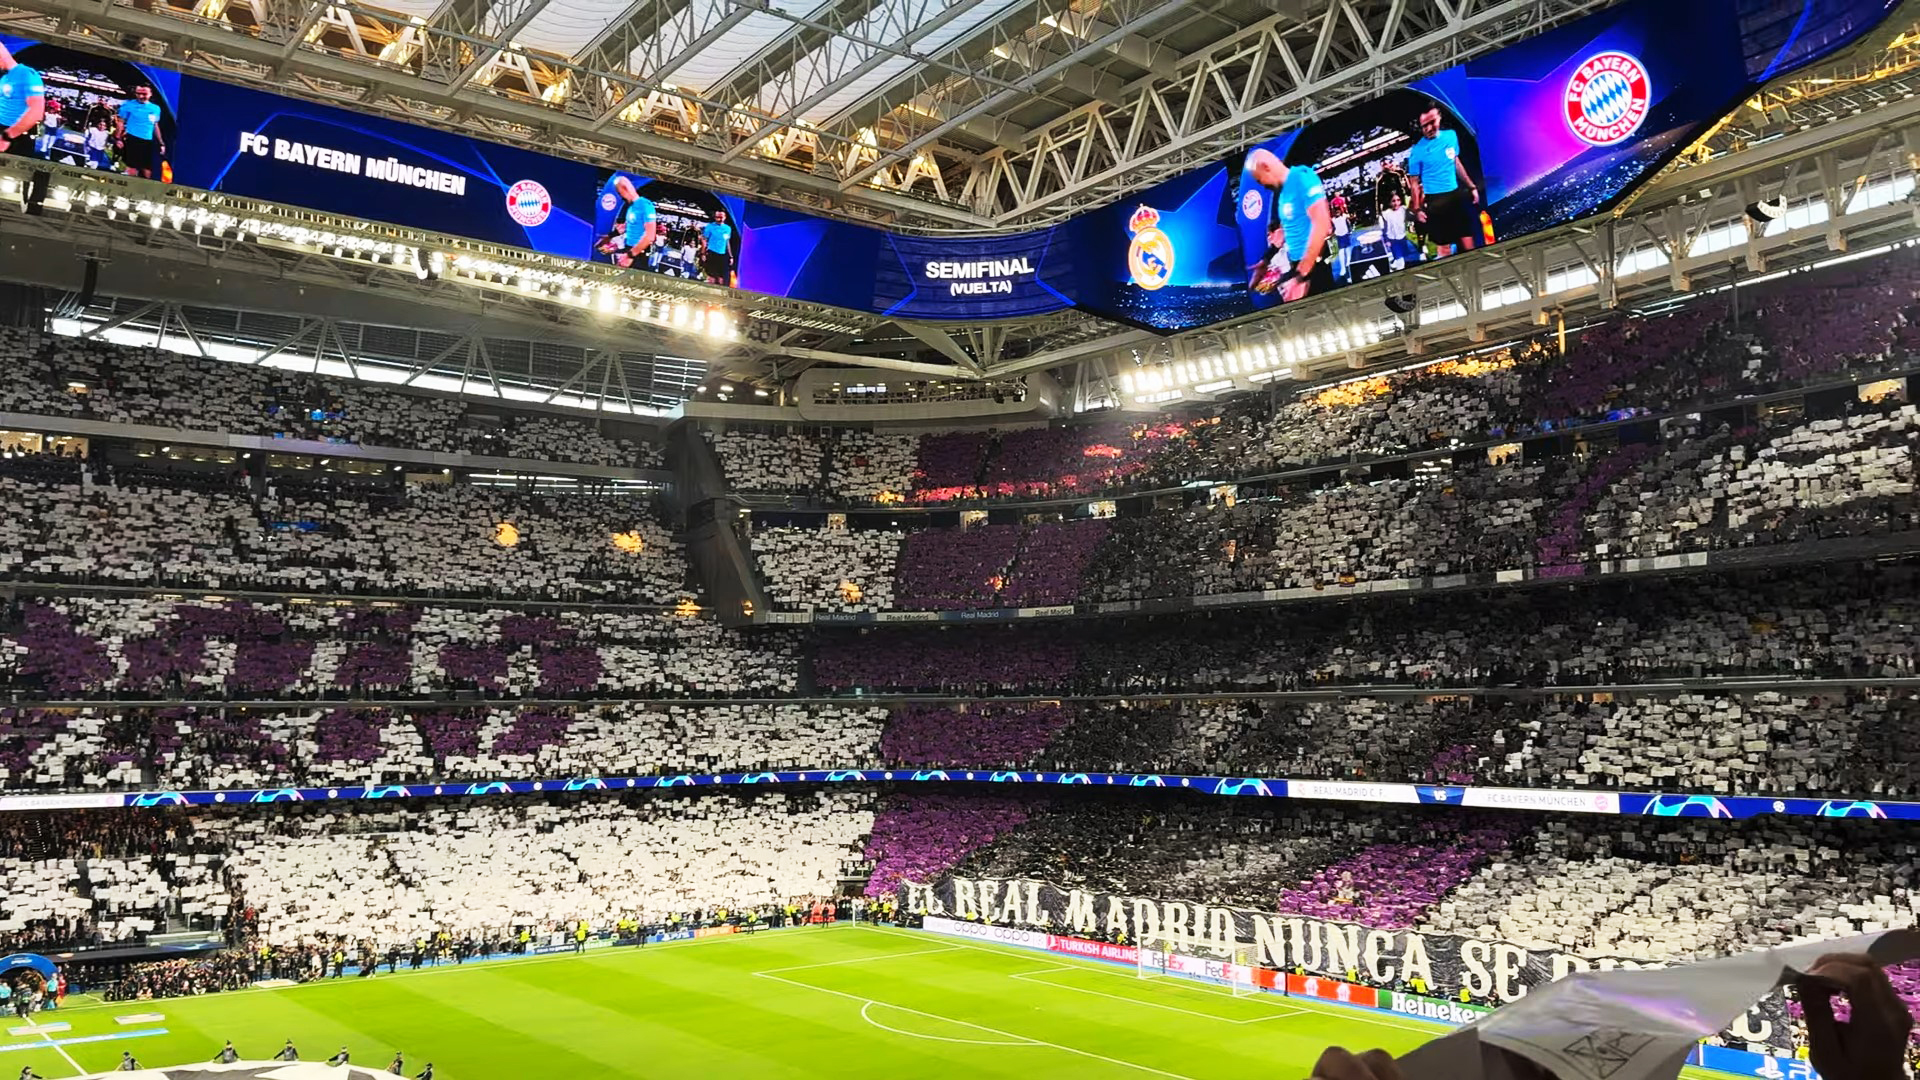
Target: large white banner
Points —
{"points": [[1497, 971]]}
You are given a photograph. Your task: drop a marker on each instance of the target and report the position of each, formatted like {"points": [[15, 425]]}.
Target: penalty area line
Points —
{"points": [[861, 960], [868, 1003], [865, 1010], [1310, 1006], [1035, 977]]}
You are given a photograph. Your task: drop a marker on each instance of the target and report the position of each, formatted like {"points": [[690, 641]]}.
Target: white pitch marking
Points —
{"points": [[860, 960], [1424, 1027], [1033, 976], [978, 1027], [77, 1070], [1023, 1040]]}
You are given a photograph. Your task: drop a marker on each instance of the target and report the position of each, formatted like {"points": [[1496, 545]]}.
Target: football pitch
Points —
{"points": [[847, 1001]]}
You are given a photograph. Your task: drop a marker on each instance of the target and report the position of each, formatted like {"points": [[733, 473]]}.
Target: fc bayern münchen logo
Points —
{"points": [[528, 202], [1608, 98]]}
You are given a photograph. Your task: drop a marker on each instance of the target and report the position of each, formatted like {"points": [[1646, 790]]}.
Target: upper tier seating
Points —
{"points": [[96, 524], [57, 376]]}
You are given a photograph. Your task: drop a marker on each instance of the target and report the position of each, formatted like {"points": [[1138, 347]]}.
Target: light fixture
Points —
{"points": [[1766, 210], [34, 197]]}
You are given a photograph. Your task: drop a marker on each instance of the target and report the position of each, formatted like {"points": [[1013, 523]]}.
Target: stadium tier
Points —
{"points": [[50, 376], [749, 722]]}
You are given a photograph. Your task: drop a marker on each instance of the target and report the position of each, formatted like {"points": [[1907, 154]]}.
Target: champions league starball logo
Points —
{"points": [[1607, 98], [1687, 806], [1150, 257], [1842, 808], [528, 203]]}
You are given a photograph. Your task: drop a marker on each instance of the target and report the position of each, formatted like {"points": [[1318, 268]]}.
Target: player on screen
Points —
{"points": [[128, 1063], [716, 250], [227, 1055], [287, 1053], [27, 1073], [425, 1074], [397, 1067], [136, 131], [1445, 199], [635, 227], [23, 103], [1298, 227], [340, 1058]]}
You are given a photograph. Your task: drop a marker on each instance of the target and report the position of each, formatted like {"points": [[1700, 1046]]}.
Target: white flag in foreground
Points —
{"points": [[1630, 1025]]}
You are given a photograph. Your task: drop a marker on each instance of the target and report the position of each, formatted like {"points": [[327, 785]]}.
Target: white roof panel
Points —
{"points": [[566, 26]]}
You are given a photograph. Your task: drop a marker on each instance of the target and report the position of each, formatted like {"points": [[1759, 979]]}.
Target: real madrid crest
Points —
{"points": [[1150, 257]]}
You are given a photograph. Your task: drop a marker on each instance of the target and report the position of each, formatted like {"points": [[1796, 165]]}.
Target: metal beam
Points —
{"points": [[529, 10], [1285, 71], [883, 363], [1138, 15], [942, 343], [865, 66], [378, 86], [659, 73]]}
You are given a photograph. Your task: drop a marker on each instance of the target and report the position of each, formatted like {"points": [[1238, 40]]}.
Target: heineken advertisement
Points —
{"points": [[1457, 1013], [1491, 971]]}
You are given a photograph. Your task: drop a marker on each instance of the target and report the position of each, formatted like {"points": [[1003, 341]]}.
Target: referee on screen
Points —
{"points": [[1446, 201], [136, 127], [23, 103]]}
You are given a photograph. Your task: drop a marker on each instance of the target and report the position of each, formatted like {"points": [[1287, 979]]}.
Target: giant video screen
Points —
{"points": [[1545, 131], [1540, 133]]}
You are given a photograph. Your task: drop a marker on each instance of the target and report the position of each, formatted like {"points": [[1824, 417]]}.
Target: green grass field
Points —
{"points": [[839, 1002]]}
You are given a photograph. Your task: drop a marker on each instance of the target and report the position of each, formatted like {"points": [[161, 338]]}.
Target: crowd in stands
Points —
{"points": [[827, 569], [157, 647], [294, 877], [89, 522], [1694, 490], [1647, 889], [165, 692], [1808, 329], [95, 879], [872, 466], [760, 461], [200, 748], [1836, 621], [49, 375]]}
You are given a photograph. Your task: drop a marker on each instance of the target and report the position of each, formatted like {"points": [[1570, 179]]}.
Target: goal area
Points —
{"points": [[1229, 967]]}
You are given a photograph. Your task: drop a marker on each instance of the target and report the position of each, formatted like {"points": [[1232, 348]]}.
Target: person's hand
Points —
{"points": [[4, 142], [1277, 237], [1296, 288], [1474, 194], [1337, 1064], [1872, 1044]]}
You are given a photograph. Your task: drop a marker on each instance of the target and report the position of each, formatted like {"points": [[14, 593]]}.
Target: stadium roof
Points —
{"points": [[933, 114], [1835, 141]]}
